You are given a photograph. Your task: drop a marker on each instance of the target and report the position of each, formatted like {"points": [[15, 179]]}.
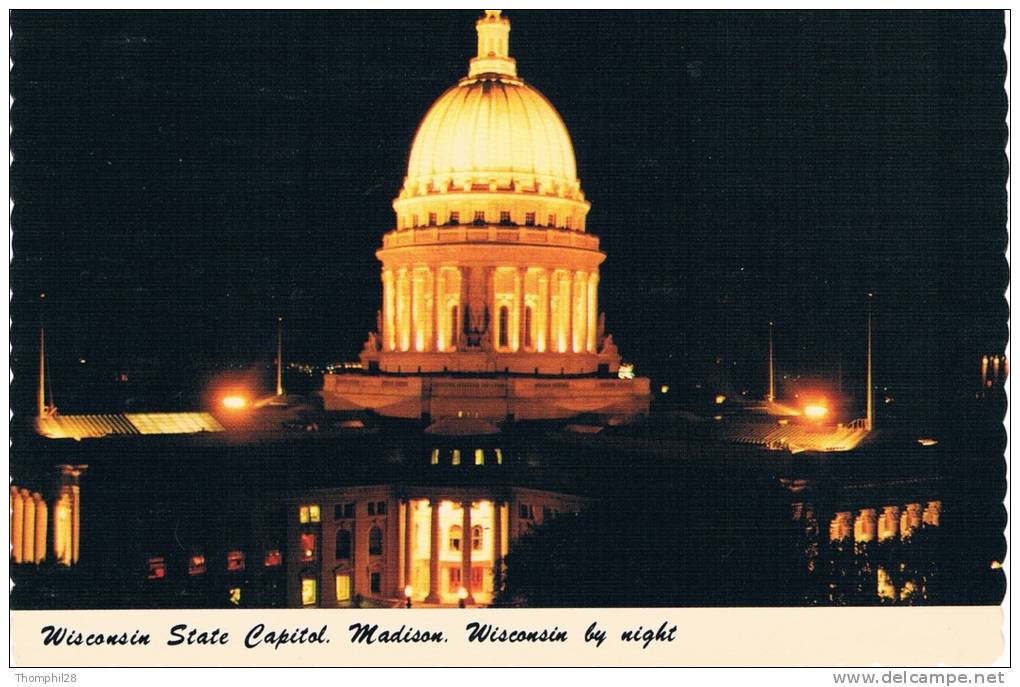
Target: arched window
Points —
{"points": [[476, 538], [343, 543], [528, 343], [455, 537], [375, 547], [504, 326]]}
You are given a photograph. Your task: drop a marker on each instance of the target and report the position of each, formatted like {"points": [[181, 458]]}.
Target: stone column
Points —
{"points": [[41, 522], [465, 548], [497, 545], [28, 528], [433, 597], [75, 521], [17, 524], [409, 544]]}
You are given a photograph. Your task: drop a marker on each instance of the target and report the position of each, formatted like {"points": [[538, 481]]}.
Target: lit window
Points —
{"points": [[479, 218], [435, 457], [504, 217], [454, 580], [235, 561], [375, 583], [234, 596], [476, 578], [529, 219], [375, 545], [309, 591], [432, 219], [499, 456], [196, 564], [307, 546], [479, 457], [455, 537], [343, 587], [309, 513], [157, 568], [273, 558], [455, 457], [343, 544], [476, 538], [552, 221], [454, 218]]}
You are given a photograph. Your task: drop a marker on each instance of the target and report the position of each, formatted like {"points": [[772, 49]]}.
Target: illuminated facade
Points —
{"points": [[38, 529], [490, 269], [365, 546]]}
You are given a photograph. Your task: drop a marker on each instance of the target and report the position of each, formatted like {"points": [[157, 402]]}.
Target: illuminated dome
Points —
{"points": [[492, 134], [492, 129]]}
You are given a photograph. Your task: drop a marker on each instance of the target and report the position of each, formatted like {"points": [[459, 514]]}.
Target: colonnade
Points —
{"points": [[495, 551], [31, 519], [449, 308]]}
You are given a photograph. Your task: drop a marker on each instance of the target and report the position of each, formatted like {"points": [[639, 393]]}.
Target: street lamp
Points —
{"points": [[408, 592], [461, 596]]}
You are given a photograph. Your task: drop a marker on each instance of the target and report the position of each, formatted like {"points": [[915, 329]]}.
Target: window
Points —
{"points": [[504, 217], [476, 577], [157, 568], [435, 457], [454, 580], [380, 508], [196, 564], [234, 595], [343, 587], [307, 546], [548, 513], [552, 221], [371, 508], [235, 561], [432, 219], [455, 457], [375, 583], [273, 558], [504, 326], [414, 220], [343, 544], [343, 511], [499, 456], [526, 512], [455, 537], [529, 219], [479, 218], [476, 538], [309, 591], [479, 457], [454, 218], [309, 513], [570, 222], [527, 327], [375, 545], [454, 324]]}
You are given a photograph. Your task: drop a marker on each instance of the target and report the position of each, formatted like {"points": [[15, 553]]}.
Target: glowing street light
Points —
{"points": [[461, 597], [235, 402], [815, 411], [408, 593]]}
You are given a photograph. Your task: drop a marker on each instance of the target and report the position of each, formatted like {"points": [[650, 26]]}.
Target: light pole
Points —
{"points": [[408, 592], [461, 596]]}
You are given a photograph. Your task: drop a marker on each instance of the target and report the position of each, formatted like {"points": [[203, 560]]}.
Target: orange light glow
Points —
{"points": [[924, 441], [235, 402], [720, 399], [815, 411]]}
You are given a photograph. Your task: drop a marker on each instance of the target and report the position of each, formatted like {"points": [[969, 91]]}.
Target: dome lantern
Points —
{"points": [[493, 46]]}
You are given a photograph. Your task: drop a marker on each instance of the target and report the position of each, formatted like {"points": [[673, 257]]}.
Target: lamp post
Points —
{"points": [[461, 596], [408, 592]]}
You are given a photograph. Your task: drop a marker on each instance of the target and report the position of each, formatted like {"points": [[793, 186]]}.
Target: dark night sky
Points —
{"points": [[179, 178]]}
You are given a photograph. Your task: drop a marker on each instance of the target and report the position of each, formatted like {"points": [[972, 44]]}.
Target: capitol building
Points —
{"points": [[490, 278]]}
